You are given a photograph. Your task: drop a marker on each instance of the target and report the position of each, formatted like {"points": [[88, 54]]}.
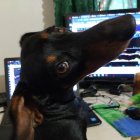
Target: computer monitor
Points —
{"points": [[127, 64]]}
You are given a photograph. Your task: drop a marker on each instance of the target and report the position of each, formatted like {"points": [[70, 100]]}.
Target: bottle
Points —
{"points": [[136, 86]]}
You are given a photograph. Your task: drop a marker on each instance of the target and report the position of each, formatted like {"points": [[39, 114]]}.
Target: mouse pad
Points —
{"points": [[123, 124], [128, 126]]}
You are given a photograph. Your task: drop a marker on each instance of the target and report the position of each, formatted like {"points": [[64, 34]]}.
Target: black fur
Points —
{"points": [[52, 62]]}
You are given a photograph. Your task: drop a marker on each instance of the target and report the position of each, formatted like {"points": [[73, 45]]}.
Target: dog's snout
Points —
{"points": [[125, 27], [120, 29]]}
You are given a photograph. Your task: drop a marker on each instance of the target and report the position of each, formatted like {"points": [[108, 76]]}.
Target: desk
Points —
{"points": [[101, 132], [105, 131]]}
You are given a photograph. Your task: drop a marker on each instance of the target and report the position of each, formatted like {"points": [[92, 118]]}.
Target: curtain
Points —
{"points": [[63, 7], [121, 4], [138, 3]]}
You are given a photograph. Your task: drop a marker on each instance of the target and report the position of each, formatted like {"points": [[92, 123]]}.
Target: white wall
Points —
{"points": [[16, 18]]}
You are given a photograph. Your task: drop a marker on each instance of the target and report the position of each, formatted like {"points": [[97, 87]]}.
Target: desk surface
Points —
{"points": [[104, 131], [100, 132]]}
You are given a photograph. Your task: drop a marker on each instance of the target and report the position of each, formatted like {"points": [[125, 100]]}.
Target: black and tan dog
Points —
{"points": [[44, 106]]}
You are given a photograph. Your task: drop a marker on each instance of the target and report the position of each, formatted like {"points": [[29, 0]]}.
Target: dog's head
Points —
{"points": [[54, 59]]}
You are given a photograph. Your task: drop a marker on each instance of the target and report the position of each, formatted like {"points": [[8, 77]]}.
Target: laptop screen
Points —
{"points": [[12, 74]]}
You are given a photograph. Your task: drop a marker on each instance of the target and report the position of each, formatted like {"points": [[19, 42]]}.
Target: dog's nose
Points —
{"points": [[124, 27], [129, 27]]}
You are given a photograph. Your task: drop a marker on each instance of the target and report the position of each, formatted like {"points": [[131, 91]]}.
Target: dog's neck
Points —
{"points": [[61, 98], [53, 107], [45, 99]]}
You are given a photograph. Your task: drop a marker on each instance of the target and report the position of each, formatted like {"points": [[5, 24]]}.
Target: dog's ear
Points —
{"points": [[25, 37], [23, 118]]}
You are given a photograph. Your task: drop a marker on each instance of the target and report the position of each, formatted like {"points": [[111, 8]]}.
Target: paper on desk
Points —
{"points": [[128, 126]]}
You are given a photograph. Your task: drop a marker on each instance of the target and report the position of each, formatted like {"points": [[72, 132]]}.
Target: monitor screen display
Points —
{"points": [[12, 74], [127, 64]]}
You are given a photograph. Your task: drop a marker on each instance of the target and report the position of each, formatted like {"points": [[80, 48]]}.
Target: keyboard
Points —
{"points": [[3, 99], [3, 103], [6, 118]]}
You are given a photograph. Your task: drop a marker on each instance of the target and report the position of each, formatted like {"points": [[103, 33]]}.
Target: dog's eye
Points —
{"points": [[62, 67]]}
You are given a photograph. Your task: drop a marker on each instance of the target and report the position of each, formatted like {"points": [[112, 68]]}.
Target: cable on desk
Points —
{"points": [[111, 104], [90, 92]]}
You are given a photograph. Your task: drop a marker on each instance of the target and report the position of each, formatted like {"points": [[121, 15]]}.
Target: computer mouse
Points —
{"points": [[133, 112]]}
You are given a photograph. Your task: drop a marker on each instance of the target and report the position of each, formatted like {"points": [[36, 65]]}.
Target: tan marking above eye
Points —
{"points": [[44, 35], [51, 58]]}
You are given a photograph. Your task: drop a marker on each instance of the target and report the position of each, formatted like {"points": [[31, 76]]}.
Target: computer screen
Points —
{"points": [[124, 67], [12, 74]]}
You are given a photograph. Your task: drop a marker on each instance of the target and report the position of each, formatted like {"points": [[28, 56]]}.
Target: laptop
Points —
{"points": [[12, 68], [12, 77]]}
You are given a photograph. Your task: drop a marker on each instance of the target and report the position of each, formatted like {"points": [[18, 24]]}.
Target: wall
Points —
{"points": [[16, 18], [48, 13]]}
